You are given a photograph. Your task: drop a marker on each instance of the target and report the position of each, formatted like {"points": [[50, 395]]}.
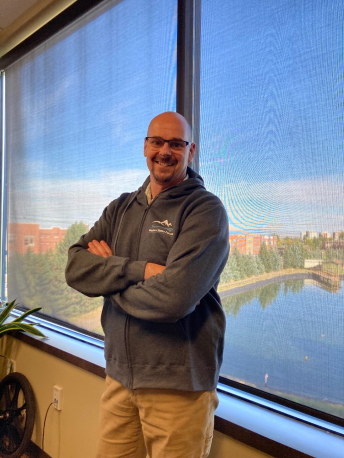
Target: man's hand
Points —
{"points": [[100, 248], [152, 269]]}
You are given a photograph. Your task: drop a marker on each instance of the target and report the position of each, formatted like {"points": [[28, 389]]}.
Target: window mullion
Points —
{"points": [[2, 190], [188, 66]]}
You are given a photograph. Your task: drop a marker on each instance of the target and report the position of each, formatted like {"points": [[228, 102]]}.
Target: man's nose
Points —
{"points": [[165, 149]]}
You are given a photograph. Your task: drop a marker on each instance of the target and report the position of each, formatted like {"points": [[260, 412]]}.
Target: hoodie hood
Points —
{"points": [[194, 181]]}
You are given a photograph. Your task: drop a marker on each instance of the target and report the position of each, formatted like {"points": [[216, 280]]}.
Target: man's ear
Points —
{"points": [[144, 147], [192, 151]]}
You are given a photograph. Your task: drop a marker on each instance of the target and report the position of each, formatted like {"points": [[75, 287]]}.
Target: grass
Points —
{"points": [[265, 276]]}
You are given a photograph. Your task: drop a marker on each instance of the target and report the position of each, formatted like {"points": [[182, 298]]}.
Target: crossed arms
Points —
{"points": [[102, 249], [147, 290]]}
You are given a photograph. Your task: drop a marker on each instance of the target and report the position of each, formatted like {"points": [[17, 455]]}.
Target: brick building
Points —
{"points": [[250, 244], [335, 245], [325, 235], [22, 236]]}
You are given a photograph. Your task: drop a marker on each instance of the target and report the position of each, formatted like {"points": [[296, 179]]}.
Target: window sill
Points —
{"points": [[254, 425], [274, 433], [81, 354]]}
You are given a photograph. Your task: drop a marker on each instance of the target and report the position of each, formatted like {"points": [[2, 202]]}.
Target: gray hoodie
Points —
{"points": [[167, 331]]}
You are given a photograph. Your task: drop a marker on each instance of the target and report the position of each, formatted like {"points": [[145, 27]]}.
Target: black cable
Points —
{"points": [[45, 418]]}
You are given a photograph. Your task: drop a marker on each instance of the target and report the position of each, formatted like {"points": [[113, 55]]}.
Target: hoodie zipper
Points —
{"points": [[128, 317]]}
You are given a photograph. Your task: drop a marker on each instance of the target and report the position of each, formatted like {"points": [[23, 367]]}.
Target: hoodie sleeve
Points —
{"points": [[94, 275], [193, 267]]}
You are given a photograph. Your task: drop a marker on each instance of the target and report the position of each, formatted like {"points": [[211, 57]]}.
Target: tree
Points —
{"points": [[314, 254], [276, 259], [230, 272], [314, 243], [74, 232], [67, 303], [266, 257], [39, 279], [294, 256], [240, 273], [258, 266]]}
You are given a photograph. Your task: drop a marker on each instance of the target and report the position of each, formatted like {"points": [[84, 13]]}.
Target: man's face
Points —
{"points": [[167, 167]]}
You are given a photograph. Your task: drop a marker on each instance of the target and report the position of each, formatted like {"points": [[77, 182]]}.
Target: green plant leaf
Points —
{"points": [[6, 328], [16, 324], [26, 314], [7, 310], [30, 329]]}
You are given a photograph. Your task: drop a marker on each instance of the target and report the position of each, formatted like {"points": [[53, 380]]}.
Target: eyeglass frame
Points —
{"points": [[172, 140]]}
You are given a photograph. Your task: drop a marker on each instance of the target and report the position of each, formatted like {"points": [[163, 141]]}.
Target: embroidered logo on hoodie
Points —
{"points": [[162, 226]]}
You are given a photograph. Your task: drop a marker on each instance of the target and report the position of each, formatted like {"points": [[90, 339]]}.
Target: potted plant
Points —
{"points": [[17, 324], [17, 402]]}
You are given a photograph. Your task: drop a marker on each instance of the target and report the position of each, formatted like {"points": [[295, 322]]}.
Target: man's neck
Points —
{"points": [[156, 188]]}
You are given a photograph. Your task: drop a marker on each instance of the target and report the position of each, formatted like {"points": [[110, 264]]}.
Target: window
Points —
{"points": [[270, 129], [2, 181], [80, 105], [29, 240], [272, 148]]}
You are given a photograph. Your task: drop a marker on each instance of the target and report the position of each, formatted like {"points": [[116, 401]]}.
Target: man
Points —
{"points": [[156, 256]]}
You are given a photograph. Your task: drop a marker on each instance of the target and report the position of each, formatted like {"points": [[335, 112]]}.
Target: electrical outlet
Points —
{"points": [[57, 397]]}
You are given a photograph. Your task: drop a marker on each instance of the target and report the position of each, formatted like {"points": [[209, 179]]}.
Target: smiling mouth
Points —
{"points": [[164, 164]]}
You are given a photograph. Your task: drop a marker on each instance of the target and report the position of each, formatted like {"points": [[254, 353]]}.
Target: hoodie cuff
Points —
{"points": [[135, 271]]}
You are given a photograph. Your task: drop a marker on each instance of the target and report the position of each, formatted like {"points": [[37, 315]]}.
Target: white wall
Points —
{"points": [[31, 20], [72, 432]]}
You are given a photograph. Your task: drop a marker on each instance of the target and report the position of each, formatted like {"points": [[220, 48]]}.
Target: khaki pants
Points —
{"points": [[157, 423]]}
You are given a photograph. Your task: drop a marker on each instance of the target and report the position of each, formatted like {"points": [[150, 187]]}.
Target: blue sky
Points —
{"points": [[84, 131], [271, 113]]}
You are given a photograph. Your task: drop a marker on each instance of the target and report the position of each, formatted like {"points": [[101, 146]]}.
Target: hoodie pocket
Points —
{"points": [[157, 343], [114, 322]]}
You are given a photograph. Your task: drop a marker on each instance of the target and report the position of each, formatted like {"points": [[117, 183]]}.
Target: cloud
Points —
{"points": [[62, 202], [286, 207]]}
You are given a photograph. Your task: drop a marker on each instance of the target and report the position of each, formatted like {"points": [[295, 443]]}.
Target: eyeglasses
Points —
{"points": [[175, 145]]}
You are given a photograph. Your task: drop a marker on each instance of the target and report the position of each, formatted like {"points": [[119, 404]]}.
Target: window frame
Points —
{"points": [[188, 98], [3, 206]]}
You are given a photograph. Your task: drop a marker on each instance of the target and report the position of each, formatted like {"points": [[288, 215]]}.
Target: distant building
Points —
{"points": [[250, 243], [311, 235], [335, 244], [325, 235], [311, 263], [269, 240], [336, 235], [22, 236]]}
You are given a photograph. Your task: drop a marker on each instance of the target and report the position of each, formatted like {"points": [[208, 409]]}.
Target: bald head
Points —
{"points": [[170, 119], [168, 165]]}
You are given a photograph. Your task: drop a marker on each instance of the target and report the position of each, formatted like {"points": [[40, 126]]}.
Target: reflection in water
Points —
{"points": [[288, 340], [265, 295]]}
